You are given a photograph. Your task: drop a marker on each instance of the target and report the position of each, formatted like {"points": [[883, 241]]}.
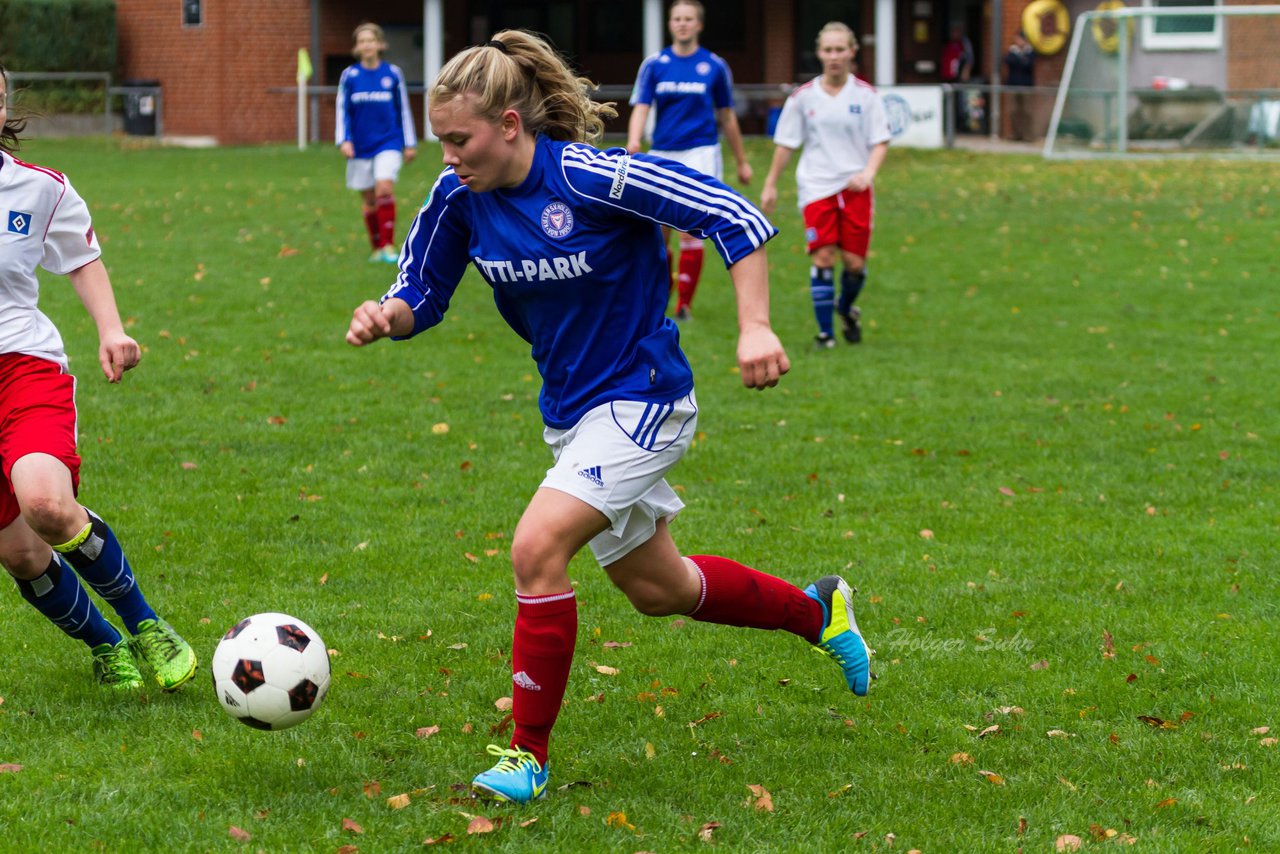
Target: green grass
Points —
{"points": [[1067, 380]]}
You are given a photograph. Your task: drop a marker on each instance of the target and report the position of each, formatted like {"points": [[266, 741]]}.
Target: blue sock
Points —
{"points": [[850, 286], [822, 290], [96, 555], [59, 596]]}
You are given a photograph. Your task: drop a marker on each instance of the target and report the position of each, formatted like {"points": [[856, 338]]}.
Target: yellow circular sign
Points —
{"points": [[1106, 31], [1047, 25]]}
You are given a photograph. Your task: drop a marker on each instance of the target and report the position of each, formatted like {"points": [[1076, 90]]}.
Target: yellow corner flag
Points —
{"points": [[304, 65]]}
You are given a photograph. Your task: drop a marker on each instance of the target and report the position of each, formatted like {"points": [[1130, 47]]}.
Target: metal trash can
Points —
{"points": [[140, 107]]}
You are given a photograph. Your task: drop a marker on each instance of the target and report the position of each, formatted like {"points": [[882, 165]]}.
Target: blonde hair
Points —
{"points": [[373, 28], [526, 75], [693, 4], [837, 27]]}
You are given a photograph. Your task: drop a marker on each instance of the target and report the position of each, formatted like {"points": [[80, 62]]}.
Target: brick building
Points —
{"points": [[226, 66]]}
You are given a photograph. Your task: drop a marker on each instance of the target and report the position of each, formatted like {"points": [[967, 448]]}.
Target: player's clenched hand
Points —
{"points": [[761, 358], [117, 353], [368, 323]]}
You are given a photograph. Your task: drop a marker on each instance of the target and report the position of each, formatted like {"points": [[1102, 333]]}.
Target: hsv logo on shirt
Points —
{"points": [[19, 222]]}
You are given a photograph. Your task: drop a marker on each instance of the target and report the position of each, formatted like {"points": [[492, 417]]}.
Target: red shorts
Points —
{"points": [[37, 415], [842, 220]]}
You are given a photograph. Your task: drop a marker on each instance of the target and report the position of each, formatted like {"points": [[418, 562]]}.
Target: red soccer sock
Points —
{"points": [[736, 595], [690, 271], [386, 216], [541, 654], [371, 226]]}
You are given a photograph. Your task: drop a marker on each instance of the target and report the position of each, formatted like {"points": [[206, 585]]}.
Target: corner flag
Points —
{"points": [[304, 65]]}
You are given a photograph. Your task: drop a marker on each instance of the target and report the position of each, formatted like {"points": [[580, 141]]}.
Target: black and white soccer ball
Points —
{"points": [[271, 671]]}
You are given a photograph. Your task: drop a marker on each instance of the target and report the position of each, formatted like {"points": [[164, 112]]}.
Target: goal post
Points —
{"points": [[1169, 80]]}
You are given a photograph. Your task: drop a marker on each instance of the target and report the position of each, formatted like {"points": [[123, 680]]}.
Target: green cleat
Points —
{"points": [[170, 658], [114, 668]]}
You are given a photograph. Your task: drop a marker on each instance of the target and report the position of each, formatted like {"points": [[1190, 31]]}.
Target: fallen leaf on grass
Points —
{"points": [[704, 832], [347, 849], [480, 824], [528, 822], [372, 789], [1059, 733], [606, 670], [961, 759], [1267, 742], [994, 729], [1040, 665], [1157, 723], [351, 827], [992, 778], [709, 716], [763, 800], [238, 835], [398, 802], [1167, 802], [439, 840], [1067, 842], [926, 534], [502, 704], [618, 819], [426, 731], [1261, 730], [616, 644]]}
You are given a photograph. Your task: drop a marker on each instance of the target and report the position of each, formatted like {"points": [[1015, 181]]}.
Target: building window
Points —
{"points": [[192, 13], [1182, 32]]}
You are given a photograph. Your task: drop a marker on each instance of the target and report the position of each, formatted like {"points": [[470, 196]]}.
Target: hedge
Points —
{"points": [[58, 35]]}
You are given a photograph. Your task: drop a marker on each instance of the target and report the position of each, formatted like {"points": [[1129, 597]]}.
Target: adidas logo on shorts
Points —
{"points": [[593, 474]]}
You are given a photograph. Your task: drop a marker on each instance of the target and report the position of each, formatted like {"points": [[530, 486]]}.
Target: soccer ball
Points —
{"points": [[270, 671]]}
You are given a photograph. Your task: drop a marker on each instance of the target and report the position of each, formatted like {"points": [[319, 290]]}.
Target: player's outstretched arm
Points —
{"points": [[373, 320], [728, 121], [761, 358], [117, 352], [635, 127]]}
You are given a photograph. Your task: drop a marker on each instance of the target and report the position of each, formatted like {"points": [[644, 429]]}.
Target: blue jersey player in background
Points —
{"points": [[690, 91], [374, 131], [568, 238]]}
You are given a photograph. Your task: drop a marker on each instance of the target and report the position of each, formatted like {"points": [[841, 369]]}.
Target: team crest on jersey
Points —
{"points": [[19, 222], [703, 68], [557, 220], [856, 109], [387, 82]]}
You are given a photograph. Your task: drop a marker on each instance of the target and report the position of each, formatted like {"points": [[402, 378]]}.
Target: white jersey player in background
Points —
{"points": [[841, 123], [49, 543]]}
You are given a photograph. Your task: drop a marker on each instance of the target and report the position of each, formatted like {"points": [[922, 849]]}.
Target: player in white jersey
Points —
{"points": [[841, 123], [374, 130], [568, 239], [691, 90], [49, 543]]}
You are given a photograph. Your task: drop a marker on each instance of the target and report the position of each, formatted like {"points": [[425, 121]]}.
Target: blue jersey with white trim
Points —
{"points": [[373, 110], [577, 264], [685, 93]]}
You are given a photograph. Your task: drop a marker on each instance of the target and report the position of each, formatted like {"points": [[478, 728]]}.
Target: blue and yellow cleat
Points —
{"points": [[840, 638], [518, 777]]}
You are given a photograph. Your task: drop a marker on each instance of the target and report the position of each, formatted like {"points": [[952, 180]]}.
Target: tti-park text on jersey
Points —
{"points": [[535, 269], [683, 87]]}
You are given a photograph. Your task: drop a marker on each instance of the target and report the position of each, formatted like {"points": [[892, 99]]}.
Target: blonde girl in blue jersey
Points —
{"points": [[374, 131], [569, 239]]}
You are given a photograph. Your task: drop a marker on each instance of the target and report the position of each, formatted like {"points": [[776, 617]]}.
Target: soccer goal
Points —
{"points": [[1165, 80]]}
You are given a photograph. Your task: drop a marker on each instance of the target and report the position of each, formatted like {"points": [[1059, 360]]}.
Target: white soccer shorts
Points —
{"points": [[705, 158], [616, 459], [363, 172]]}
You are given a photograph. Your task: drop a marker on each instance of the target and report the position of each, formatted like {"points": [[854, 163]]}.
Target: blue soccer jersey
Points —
{"points": [[373, 110], [685, 92], [576, 261]]}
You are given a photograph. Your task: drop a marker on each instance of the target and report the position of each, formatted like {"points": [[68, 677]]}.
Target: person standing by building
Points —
{"points": [[374, 131], [841, 123], [49, 542], [568, 238], [690, 90], [1020, 70]]}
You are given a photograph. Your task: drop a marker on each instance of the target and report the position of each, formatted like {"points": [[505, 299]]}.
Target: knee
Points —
{"points": [[25, 561], [824, 258], [655, 600], [55, 518], [538, 562]]}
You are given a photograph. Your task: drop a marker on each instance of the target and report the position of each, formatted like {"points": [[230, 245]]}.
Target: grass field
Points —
{"points": [[1051, 471]]}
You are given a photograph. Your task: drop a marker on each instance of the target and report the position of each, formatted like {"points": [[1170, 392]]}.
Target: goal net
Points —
{"points": [[1170, 78]]}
